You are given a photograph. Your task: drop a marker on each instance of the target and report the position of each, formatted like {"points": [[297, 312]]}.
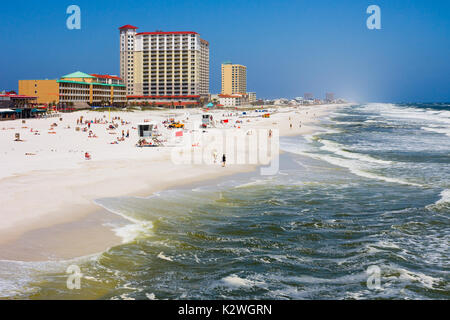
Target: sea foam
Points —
{"points": [[338, 149], [445, 197]]}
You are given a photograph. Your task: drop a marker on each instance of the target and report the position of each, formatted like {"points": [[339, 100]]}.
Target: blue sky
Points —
{"points": [[289, 47]]}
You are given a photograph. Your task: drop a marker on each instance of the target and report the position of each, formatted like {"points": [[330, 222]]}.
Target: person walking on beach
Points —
{"points": [[224, 160], [215, 156]]}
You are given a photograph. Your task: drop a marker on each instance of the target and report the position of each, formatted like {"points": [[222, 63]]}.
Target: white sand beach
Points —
{"points": [[48, 188]]}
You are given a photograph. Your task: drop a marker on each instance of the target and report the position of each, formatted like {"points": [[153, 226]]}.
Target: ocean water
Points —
{"points": [[372, 188]]}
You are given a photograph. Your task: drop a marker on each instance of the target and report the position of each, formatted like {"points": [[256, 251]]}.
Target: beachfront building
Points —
{"points": [[234, 78], [329, 97], [251, 97], [15, 106], [77, 89], [164, 68], [233, 100]]}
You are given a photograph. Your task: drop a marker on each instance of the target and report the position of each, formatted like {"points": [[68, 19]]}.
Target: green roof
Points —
{"points": [[78, 74]]}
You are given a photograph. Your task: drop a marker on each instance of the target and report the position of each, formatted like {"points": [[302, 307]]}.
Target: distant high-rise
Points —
{"points": [[164, 67], [329, 96], [234, 78]]}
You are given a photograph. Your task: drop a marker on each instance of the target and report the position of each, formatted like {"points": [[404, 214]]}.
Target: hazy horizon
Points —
{"points": [[289, 47]]}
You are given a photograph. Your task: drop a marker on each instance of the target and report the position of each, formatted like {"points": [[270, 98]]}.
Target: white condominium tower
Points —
{"points": [[164, 68], [234, 78]]}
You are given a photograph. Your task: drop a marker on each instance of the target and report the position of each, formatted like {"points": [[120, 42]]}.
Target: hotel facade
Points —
{"points": [[234, 78], [78, 89], [15, 106], [164, 68]]}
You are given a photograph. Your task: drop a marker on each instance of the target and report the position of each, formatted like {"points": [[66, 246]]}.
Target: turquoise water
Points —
{"points": [[371, 189]]}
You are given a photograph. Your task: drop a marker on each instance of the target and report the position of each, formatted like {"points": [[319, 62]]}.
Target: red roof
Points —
{"points": [[128, 26], [163, 97], [230, 96], [105, 76], [161, 32]]}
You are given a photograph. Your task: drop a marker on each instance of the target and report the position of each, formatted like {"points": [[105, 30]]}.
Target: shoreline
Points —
{"points": [[81, 230]]}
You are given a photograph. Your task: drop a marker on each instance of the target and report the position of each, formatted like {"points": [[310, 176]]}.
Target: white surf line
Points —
{"points": [[337, 148]]}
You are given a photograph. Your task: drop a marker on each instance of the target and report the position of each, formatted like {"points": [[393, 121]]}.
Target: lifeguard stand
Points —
{"points": [[207, 120], [146, 130], [149, 135]]}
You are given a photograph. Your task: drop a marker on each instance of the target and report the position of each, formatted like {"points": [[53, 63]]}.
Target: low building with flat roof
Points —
{"points": [[177, 102], [233, 100], [77, 89], [15, 106]]}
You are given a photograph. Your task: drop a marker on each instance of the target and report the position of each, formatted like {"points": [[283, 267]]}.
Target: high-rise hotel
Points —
{"points": [[234, 78], [164, 68], [234, 86]]}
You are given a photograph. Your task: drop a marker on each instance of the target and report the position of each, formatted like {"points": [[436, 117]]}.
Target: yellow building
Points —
{"points": [[234, 78], [78, 89], [48, 90]]}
